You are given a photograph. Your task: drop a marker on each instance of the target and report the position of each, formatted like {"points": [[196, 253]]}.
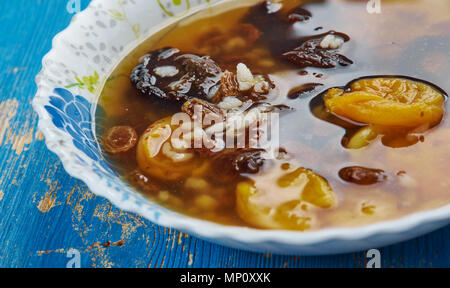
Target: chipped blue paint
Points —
{"points": [[35, 179]]}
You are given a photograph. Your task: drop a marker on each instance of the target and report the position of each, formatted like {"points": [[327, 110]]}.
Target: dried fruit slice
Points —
{"points": [[157, 157], [388, 102], [284, 200]]}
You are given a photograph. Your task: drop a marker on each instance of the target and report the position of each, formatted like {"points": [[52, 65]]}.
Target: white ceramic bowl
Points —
{"points": [[82, 57]]}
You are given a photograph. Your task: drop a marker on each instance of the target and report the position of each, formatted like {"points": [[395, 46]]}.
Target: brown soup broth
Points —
{"points": [[409, 38]]}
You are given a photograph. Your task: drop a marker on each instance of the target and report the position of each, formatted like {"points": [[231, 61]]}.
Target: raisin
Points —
{"points": [[120, 139], [229, 164], [230, 86], [362, 175], [248, 162]]}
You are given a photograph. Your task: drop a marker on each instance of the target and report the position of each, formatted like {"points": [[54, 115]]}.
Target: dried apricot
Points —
{"points": [[388, 102], [157, 157], [284, 200]]}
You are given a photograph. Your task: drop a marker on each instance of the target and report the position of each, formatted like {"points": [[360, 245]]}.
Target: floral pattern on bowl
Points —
{"points": [[68, 87]]}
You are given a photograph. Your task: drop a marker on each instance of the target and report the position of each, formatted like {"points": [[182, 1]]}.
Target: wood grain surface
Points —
{"points": [[44, 212]]}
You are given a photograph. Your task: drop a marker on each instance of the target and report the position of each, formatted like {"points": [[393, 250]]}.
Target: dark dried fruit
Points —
{"points": [[248, 162], [140, 180], [278, 38], [200, 67], [229, 164], [302, 90], [267, 17], [362, 176], [170, 75], [151, 185], [120, 139], [311, 54]]}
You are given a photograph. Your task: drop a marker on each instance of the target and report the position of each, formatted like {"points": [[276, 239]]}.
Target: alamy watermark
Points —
{"points": [[374, 258], [374, 7], [73, 6], [75, 258]]}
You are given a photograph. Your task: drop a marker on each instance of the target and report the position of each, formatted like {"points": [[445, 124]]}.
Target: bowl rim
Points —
{"points": [[204, 228]]}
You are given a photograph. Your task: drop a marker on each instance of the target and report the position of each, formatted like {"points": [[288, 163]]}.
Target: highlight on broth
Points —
{"points": [[287, 115]]}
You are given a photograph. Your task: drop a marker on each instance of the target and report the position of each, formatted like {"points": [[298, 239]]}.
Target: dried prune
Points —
{"points": [[267, 17], [311, 54], [200, 67], [248, 162], [139, 179], [120, 139], [229, 164], [168, 74], [304, 51], [362, 175]]}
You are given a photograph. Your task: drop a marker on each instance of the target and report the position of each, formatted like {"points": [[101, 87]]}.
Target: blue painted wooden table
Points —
{"points": [[44, 212]]}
